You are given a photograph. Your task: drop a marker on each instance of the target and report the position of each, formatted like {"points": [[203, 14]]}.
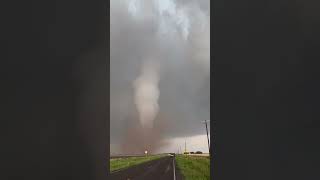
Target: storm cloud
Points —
{"points": [[176, 36]]}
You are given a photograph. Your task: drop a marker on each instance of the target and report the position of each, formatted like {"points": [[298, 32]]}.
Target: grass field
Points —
{"points": [[193, 167], [121, 163]]}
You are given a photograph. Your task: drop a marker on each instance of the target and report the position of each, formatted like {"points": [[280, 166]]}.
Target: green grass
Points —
{"points": [[121, 163], [194, 168]]}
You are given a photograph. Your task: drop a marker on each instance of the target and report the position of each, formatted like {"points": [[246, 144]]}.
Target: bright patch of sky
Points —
{"points": [[193, 144], [132, 7], [166, 6], [171, 20], [183, 21]]}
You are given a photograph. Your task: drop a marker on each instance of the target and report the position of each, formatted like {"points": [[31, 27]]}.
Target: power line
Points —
{"points": [[205, 122]]}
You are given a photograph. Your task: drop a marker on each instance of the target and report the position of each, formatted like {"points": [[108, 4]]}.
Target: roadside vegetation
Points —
{"points": [[122, 163], [193, 167]]}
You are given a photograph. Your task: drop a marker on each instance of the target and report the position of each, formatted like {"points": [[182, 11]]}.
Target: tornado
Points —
{"points": [[146, 91]]}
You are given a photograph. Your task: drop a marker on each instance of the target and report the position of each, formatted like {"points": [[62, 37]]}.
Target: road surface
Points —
{"points": [[125, 156], [160, 169]]}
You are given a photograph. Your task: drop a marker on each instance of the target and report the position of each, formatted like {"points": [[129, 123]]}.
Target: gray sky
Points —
{"points": [[173, 36]]}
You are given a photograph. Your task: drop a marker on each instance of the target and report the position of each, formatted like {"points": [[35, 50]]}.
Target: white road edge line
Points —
{"points": [[174, 170]]}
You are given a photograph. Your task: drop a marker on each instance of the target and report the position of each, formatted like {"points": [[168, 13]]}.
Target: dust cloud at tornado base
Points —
{"points": [[160, 72]]}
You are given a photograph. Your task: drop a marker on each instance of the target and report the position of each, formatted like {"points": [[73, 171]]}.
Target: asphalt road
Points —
{"points": [[160, 169], [125, 156]]}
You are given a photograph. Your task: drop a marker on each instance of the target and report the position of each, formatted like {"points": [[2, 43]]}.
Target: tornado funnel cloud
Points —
{"points": [[147, 94]]}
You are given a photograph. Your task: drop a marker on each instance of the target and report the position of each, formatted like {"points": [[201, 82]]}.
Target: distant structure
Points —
{"points": [[185, 147]]}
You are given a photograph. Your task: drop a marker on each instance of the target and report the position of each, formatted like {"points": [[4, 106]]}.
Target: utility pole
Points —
{"points": [[185, 145], [205, 122]]}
